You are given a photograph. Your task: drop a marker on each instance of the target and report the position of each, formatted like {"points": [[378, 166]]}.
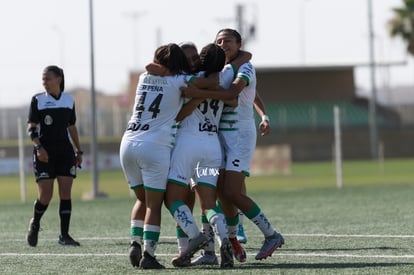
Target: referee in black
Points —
{"points": [[56, 151]]}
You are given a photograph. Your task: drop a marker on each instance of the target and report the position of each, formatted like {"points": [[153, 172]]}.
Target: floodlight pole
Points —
{"points": [[135, 15], [373, 98], [94, 162]]}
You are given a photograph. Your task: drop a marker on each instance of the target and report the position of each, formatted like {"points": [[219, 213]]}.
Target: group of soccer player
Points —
{"points": [[193, 133]]}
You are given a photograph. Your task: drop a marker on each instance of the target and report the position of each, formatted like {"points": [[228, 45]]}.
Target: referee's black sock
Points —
{"points": [[65, 210], [38, 211]]}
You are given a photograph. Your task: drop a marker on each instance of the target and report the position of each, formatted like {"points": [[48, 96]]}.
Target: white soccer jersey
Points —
{"points": [[205, 118], [197, 152], [233, 116], [246, 97], [157, 103], [237, 126]]}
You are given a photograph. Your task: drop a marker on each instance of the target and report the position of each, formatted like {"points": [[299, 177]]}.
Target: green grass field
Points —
{"points": [[367, 227]]}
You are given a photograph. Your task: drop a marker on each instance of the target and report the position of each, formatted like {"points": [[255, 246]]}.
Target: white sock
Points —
{"points": [[219, 225], [182, 243], [232, 230], [184, 218], [241, 217], [151, 236], [208, 231], [263, 224], [137, 229]]}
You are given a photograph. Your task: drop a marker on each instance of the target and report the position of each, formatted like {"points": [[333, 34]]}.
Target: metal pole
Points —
{"points": [[23, 193], [61, 45], [338, 146], [373, 98], [94, 162], [135, 15], [240, 19]]}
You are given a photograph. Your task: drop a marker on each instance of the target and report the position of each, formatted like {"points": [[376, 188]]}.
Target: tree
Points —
{"points": [[402, 24]]}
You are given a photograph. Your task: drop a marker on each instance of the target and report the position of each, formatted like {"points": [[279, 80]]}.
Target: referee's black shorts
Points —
{"points": [[62, 162]]}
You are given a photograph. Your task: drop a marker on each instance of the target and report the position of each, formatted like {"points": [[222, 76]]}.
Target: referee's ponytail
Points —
{"points": [[58, 72]]}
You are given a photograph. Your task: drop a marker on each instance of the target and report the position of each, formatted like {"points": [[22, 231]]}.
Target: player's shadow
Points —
{"points": [[340, 249], [262, 265]]}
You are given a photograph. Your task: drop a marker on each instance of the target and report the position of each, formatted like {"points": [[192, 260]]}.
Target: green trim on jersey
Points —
{"points": [[136, 187], [206, 184], [180, 183], [229, 113], [245, 78], [153, 189], [228, 121], [192, 78]]}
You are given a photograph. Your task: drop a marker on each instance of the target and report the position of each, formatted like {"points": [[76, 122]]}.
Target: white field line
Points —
{"points": [[320, 235], [349, 235], [303, 255], [279, 254]]}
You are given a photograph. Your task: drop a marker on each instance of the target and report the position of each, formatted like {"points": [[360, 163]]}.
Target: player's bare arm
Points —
{"points": [[241, 58], [264, 126], [157, 69], [229, 94], [188, 108]]}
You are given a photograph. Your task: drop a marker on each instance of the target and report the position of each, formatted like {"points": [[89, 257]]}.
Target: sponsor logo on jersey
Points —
{"points": [[236, 162], [207, 126], [206, 171], [50, 104]]}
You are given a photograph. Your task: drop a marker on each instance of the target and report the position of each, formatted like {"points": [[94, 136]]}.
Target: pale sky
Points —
{"points": [[38, 33]]}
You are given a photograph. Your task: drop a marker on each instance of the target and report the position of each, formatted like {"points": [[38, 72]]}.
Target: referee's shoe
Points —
{"points": [[67, 240], [33, 232]]}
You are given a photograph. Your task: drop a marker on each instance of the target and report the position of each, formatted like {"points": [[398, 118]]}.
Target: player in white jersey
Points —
{"points": [[239, 148], [197, 153], [193, 59], [146, 146], [264, 130], [226, 77]]}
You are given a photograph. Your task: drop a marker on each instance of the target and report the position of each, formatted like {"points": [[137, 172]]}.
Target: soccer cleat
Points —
{"points": [[239, 252], [194, 245], [241, 236], [177, 263], [67, 241], [270, 244], [226, 254], [149, 262], [135, 253], [205, 258], [33, 232]]}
